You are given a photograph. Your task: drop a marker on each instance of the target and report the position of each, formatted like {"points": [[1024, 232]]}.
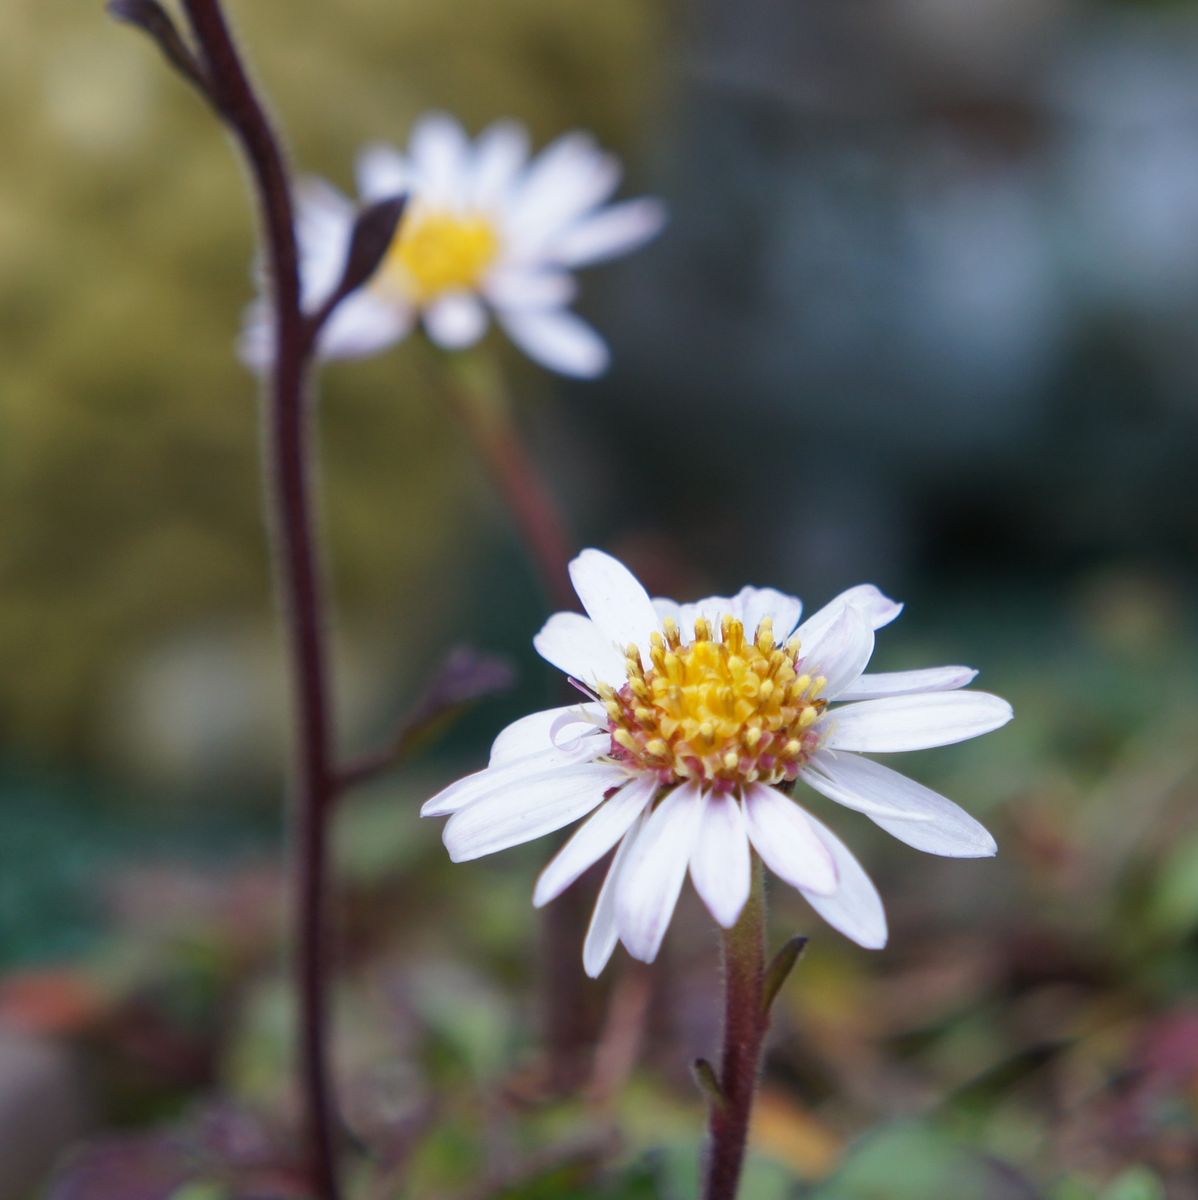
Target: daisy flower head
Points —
{"points": [[704, 718], [487, 230]]}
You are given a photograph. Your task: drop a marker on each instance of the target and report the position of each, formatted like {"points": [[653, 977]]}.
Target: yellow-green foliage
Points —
{"points": [[128, 463]]}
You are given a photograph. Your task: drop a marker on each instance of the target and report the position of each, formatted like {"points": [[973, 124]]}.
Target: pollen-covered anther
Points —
{"points": [[722, 708], [436, 252]]}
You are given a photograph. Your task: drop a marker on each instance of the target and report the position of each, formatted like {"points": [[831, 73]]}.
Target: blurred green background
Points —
{"points": [[924, 315]]}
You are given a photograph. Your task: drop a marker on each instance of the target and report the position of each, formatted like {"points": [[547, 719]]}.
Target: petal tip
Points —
{"points": [[645, 954], [727, 919]]}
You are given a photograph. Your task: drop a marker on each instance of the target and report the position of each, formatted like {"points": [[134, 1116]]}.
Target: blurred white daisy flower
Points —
{"points": [[704, 716], [486, 228]]}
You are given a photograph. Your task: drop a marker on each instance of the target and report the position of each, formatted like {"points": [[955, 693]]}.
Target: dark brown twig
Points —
{"points": [[220, 74]]}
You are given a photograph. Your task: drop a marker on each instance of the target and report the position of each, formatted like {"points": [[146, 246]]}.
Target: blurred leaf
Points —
{"points": [[787, 1132], [200, 1190], [466, 1015], [146, 1167], [1137, 1183], [1173, 906], [907, 1161]]}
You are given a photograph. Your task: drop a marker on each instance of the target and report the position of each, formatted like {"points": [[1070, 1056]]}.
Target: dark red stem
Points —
{"points": [[479, 399], [484, 412], [288, 453], [746, 1020]]}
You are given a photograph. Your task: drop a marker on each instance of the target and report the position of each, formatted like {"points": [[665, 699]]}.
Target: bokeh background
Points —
{"points": [[926, 315]]}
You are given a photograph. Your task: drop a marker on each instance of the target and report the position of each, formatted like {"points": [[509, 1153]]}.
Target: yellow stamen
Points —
{"points": [[437, 252], [724, 708]]}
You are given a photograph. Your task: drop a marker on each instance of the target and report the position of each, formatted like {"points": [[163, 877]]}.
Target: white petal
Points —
{"points": [[856, 908], [603, 933], [906, 683], [455, 320], [481, 785], [525, 287], [534, 733], [499, 154], [364, 324], [877, 609], [720, 867], [749, 605], [614, 598], [712, 608], [667, 610], [892, 801], [440, 157], [527, 809], [752, 605], [575, 644], [324, 222], [255, 343], [595, 838], [382, 173], [831, 773], [566, 179], [785, 837], [840, 650], [559, 340], [656, 867], [608, 233], [913, 722]]}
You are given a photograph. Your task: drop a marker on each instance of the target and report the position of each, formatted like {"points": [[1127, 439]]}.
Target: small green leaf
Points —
{"points": [[777, 973]]}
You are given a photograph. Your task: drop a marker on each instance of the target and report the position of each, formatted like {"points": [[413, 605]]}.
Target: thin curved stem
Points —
{"points": [[297, 566], [746, 1019], [477, 395], [479, 399]]}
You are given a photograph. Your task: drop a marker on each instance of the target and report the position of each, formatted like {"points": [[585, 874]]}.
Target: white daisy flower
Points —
{"points": [[704, 718], [485, 229]]}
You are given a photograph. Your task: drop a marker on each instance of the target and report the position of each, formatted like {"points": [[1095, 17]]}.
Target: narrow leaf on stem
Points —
{"points": [[463, 678], [777, 973], [154, 21], [705, 1077], [373, 232]]}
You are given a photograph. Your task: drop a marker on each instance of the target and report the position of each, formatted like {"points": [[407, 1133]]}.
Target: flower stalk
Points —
{"points": [[217, 69], [482, 406], [298, 570], [484, 410], [746, 1019]]}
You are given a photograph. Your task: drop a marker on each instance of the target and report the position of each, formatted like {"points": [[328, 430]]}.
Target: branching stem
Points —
{"points": [[288, 453]]}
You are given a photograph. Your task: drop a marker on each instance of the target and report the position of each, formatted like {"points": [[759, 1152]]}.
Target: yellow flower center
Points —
{"points": [[437, 252], [725, 712]]}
